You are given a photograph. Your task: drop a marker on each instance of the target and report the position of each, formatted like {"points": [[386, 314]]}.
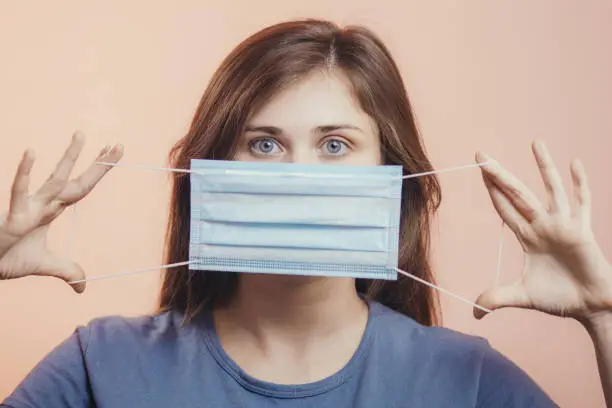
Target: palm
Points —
{"points": [[565, 272], [551, 286], [23, 230], [29, 256]]}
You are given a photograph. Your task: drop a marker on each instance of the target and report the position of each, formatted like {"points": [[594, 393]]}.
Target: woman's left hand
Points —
{"points": [[565, 272]]}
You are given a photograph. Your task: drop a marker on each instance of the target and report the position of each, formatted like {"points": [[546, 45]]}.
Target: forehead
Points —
{"points": [[320, 98]]}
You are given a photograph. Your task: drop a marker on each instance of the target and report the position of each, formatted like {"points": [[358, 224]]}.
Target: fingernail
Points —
{"points": [[541, 146], [104, 151], [482, 157], [578, 164], [78, 135]]}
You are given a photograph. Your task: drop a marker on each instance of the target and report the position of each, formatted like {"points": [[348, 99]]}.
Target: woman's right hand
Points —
{"points": [[23, 229]]}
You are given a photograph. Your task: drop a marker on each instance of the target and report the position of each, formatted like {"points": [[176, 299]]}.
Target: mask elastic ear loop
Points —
{"points": [[174, 265], [145, 167], [428, 173], [499, 254], [134, 272], [438, 288], [71, 230], [497, 275]]}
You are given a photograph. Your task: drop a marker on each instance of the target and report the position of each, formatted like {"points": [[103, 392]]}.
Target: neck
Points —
{"points": [[294, 306], [292, 329]]}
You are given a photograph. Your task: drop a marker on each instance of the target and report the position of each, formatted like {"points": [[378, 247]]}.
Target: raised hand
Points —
{"points": [[23, 229], [565, 272]]}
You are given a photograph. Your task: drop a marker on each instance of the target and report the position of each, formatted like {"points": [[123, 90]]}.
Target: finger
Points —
{"points": [[57, 181], [82, 185], [51, 211], [63, 269], [503, 296], [526, 203], [552, 179], [582, 192], [508, 213], [21, 183]]}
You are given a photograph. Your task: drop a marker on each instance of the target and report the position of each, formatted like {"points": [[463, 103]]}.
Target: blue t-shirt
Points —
{"points": [[154, 361]]}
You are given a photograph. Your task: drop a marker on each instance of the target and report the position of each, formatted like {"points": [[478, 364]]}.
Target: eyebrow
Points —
{"points": [[275, 131]]}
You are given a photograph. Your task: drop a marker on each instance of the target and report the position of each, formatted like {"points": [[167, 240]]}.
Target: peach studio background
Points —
{"points": [[481, 75]]}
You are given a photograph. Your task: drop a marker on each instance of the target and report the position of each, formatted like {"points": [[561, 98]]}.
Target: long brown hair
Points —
{"points": [[254, 72]]}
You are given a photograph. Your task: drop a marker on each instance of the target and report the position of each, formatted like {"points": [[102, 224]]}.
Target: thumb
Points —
{"points": [[64, 269], [512, 295]]}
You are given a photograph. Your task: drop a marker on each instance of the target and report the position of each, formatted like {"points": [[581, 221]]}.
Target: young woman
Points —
{"points": [[309, 92]]}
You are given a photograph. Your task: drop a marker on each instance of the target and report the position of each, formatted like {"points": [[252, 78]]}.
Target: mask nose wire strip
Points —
{"points": [[431, 285], [71, 230], [146, 167], [134, 272]]}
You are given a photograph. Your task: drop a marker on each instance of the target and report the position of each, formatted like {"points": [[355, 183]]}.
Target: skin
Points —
{"points": [[278, 323]]}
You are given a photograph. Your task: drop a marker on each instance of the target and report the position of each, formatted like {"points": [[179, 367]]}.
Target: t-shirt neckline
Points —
{"points": [[284, 390]]}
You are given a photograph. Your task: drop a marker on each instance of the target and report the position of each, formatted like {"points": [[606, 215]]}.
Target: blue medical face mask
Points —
{"points": [[322, 220], [295, 219]]}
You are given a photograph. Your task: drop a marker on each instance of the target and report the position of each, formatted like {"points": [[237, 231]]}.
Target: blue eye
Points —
{"points": [[264, 146], [335, 147]]}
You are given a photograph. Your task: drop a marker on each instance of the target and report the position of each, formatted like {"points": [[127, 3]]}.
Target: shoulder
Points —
{"points": [[99, 355], [456, 361], [145, 325], [118, 335], [401, 333], [147, 349]]}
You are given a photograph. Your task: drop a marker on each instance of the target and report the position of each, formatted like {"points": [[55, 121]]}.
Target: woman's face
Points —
{"points": [[315, 121]]}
